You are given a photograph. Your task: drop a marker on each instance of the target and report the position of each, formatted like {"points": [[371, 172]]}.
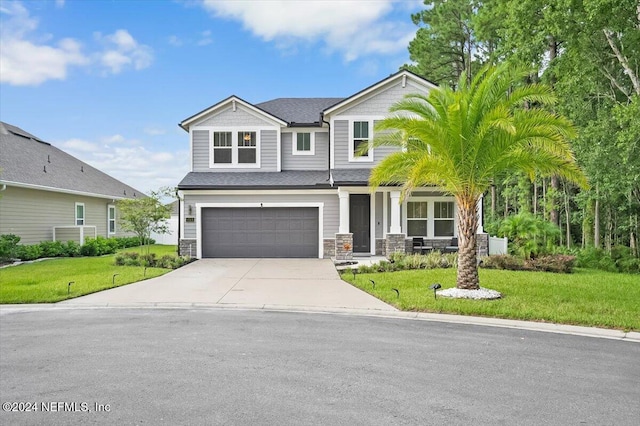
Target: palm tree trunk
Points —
{"points": [[467, 228]]}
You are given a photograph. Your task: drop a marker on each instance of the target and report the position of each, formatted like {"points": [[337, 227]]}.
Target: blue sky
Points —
{"points": [[108, 81]]}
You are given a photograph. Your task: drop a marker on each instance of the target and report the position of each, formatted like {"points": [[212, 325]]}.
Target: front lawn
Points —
{"points": [[586, 297], [47, 281]]}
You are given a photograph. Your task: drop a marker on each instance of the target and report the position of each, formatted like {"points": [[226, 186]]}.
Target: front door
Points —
{"points": [[359, 222]]}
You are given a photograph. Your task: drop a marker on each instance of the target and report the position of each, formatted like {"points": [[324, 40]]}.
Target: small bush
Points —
{"points": [[29, 252], [71, 249], [148, 260], [8, 247], [90, 248], [560, 263], [503, 261], [51, 248]]}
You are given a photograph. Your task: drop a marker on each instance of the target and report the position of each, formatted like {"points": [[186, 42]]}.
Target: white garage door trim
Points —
{"points": [[200, 206]]}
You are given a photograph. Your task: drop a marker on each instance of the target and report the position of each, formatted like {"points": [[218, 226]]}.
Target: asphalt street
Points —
{"points": [[212, 366]]}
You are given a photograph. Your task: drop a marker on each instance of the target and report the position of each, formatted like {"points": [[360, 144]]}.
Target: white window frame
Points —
{"points": [[421, 219], [110, 208], [213, 147], [435, 219], [235, 147], [312, 143], [431, 216], [84, 214], [352, 157]]}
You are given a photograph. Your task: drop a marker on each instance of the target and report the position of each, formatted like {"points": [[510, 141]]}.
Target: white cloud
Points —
{"points": [[155, 131], [29, 58], [121, 51], [205, 38], [144, 168], [60, 3], [354, 27], [175, 40], [26, 62]]}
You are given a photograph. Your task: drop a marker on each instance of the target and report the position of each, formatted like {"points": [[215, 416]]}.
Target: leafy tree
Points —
{"points": [[460, 139], [142, 216]]}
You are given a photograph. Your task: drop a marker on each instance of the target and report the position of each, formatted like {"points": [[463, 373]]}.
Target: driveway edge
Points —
{"points": [[601, 333]]}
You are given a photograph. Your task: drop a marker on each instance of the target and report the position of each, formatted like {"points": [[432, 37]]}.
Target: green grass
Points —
{"points": [[586, 297], [46, 281]]}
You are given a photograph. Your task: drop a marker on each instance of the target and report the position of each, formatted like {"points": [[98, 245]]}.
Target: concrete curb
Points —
{"points": [[601, 333]]}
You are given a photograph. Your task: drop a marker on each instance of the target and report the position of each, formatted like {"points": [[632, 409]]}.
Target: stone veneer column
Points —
{"points": [[394, 244], [344, 246]]}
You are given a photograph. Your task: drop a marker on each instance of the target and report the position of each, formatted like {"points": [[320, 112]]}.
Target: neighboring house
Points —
{"points": [[282, 179], [47, 194], [170, 238]]}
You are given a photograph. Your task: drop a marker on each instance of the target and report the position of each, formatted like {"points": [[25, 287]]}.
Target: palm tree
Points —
{"points": [[461, 139]]}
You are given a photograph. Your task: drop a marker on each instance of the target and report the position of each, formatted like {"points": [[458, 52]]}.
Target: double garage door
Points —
{"points": [[260, 232]]}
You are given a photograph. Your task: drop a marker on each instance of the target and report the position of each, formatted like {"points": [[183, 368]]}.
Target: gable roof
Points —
{"points": [[364, 92], [230, 100], [298, 111], [30, 162]]}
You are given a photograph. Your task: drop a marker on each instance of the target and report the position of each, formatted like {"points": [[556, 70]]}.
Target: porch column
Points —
{"points": [[480, 229], [344, 211], [395, 212]]}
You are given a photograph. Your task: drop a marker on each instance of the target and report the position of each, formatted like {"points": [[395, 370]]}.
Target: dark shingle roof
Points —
{"points": [[288, 179], [298, 110], [26, 159]]}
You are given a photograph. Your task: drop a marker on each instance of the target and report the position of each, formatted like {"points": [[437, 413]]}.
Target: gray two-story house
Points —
{"points": [[282, 178]]}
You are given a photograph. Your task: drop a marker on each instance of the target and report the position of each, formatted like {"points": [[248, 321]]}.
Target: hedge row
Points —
{"points": [[10, 249]]}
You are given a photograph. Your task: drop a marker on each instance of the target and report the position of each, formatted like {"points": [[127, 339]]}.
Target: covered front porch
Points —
{"points": [[379, 223]]}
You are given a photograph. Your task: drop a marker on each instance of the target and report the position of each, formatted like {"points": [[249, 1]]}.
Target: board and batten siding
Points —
{"points": [[318, 161], [31, 214], [201, 145], [331, 209]]}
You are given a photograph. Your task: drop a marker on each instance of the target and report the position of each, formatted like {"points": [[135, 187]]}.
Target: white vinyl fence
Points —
{"points": [[497, 245]]}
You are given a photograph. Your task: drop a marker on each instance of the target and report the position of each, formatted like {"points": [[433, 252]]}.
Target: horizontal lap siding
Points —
{"points": [[200, 148], [305, 162], [331, 207], [31, 214], [229, 117]]}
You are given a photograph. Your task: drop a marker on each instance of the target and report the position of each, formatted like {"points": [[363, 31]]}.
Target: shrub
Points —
{"points": [[90, 247], [503, 261], [71, 249], [148, 260], [528, 235], [29, 252], [51, 248], [8, 247], [560, 263]]}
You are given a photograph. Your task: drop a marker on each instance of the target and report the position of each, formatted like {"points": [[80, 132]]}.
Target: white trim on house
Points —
{"points": [[234, 130], [60, 190], [431, 215], [200, 206], [78, 218], [312, 143], [110, 208], [231, 100], [332, 144], [278, 150], [404, 75], [260, 191]]}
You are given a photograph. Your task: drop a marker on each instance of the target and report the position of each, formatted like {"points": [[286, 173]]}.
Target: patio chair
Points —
{"points": [[452, 247], [419, 246]]}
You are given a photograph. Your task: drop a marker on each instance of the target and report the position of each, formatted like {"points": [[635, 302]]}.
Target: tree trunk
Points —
{"points": [[467, 228], [554, 217], [493, 202]]}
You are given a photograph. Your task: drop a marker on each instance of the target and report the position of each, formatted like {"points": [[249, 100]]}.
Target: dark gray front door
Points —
{"points": [[359, 222], [260, 232]]}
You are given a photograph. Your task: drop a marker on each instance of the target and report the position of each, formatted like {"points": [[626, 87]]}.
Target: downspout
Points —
{"points": [[179, 219], [329, 178]]}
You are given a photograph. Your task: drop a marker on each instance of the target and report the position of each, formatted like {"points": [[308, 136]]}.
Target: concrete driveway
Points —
{"points": [[311, 284]]}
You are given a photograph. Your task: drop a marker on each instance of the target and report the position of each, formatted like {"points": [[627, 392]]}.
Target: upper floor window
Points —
{"points": [[247, 147], [79, 213], [304, 143], [360, 149], [235, 148], [222, 147]]}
